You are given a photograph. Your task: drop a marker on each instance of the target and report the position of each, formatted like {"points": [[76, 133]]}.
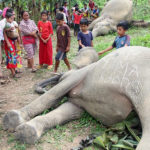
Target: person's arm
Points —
{"points": [[68, 46], [127, 41], [27, 32], [9, 29], [106, 50], [79, 40], [6, 39], [69, 38], [19, 32], [80, 43], [51, 32], [39, 35]]}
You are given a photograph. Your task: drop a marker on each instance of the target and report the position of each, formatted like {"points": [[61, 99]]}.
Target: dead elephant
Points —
{"points": [[107, 89], [114, 12]]}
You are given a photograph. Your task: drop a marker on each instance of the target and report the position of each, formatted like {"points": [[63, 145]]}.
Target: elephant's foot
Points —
{"points": [[26, 133], [12, 119]]}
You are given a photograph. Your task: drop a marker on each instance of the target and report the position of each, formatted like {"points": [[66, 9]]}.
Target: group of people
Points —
{"points": [[15, 37], [90, 11]]}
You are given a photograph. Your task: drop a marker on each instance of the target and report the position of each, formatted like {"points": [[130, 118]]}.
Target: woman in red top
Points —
{"points": [[45, 48]]}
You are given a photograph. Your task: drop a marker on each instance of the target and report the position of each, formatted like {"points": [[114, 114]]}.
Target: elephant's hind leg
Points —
{"points": [[31, 131]]}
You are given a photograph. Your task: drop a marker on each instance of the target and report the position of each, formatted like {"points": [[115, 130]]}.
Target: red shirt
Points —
{"points": [[45, 29], [91, 5], [77, 18]]}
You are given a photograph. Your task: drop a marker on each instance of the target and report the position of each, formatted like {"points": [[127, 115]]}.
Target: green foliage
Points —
{"points": [[120, 136], [141, 7]]}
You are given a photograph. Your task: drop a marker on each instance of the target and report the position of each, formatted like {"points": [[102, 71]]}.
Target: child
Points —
{"points": [[77, 17], [95, 13], [85, 37], [11, 29], [63, 41], [61, 10], [45, 48], [85, 11], [121, 40]]}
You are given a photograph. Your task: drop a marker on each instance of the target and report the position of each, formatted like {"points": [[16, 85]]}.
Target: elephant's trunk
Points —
{"points": [[39, 88]]}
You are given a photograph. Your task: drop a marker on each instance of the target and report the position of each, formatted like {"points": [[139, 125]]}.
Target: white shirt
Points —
{"points": [[2, 26]]}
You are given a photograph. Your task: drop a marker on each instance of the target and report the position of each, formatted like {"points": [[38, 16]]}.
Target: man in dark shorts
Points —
{"points": [[63, 42]]}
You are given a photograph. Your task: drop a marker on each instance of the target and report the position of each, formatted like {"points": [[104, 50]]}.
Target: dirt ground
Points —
{"points": [[18, 93]]}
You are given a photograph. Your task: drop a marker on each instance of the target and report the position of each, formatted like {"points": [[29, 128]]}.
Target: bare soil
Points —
{"points": [[18, 93]]}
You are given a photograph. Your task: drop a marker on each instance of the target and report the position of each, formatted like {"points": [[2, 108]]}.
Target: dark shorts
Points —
{"points": [[76, 27], [61, 55]]}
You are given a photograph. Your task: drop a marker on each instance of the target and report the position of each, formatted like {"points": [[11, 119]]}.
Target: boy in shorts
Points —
{"points": [[63, 42]]}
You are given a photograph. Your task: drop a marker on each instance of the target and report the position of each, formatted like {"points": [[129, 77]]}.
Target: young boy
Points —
{"points": [[77, 18], [63, 41], [95, 13], [121, 40], [85, 37], [61, 10]]}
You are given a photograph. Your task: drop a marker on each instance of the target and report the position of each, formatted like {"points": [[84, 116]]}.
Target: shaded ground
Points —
{"points": [[20, 92]]}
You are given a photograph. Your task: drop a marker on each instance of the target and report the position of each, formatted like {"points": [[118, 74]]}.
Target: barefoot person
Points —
{"points": [[2, 26], [28, 30], [121, 40], [45, 48], [63, 41], [10, 50]]}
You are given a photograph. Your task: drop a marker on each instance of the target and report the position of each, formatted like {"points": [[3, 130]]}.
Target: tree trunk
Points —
{"points": [[17, 10], [33, 9]]}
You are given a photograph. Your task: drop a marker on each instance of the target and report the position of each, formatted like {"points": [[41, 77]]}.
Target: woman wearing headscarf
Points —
{"points": [[28, 30]]}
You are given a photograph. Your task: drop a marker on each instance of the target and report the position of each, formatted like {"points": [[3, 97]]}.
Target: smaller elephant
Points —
{"points": [[114, 12]]}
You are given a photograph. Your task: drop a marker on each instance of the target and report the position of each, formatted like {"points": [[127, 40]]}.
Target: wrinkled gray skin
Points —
{"points": [[107, 89], [114, 12]]}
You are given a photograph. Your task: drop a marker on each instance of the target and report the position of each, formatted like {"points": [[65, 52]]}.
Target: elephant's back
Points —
{"points": [[124, 7], [116, 82]]}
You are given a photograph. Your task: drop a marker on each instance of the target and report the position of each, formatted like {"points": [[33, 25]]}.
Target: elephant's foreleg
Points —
{"points": [[31, 131], [15, 117]]}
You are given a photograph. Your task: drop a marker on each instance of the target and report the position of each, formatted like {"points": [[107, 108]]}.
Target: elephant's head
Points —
{"points": [[85, 56]]}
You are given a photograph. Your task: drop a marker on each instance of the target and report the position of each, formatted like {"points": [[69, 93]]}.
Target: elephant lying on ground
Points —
{"points": [[107, 89], [114, 12]]}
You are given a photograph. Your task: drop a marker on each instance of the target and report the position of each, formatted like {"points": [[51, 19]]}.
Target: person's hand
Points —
{"points": [[100, 53], [44, 41], [8, 45], [56, 49], [82, 46], [47, 40], [21, 46], [12, 28], [67, 49]]}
